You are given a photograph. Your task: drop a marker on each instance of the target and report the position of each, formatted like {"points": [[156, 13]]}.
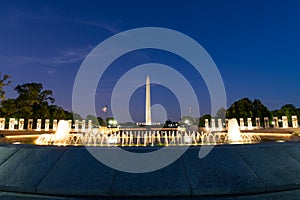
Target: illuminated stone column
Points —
{"points": [[21, 124], [266, 122], [285, 123], [47, 124], [89, 124], [148, 102], [275, 122], [206, 124], [30, 124], [2, 123], [76, 125], [242, 124], [295, 121], [226, 123], [220, 124], [11, 124], [70, 124], [39, 125], [249, 121], [83, 125], [54, 127], [213, 124], [257, 120]]}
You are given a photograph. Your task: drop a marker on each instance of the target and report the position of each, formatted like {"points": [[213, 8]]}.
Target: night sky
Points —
{"points": [[255, 45]]}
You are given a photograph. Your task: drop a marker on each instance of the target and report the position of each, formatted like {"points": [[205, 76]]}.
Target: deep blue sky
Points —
{"points": [[255, 44]]}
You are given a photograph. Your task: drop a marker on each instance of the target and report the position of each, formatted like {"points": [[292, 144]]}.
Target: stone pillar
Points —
{"points": [[242, 124], [213, 124], [54, 126], [39, 125], [89, 124], [295, 121], [83, 125], [220, 124], [21, 124], [249, 121], [275, 122], [266, 122], [30, 124], [11, 124], [285, 123], [206, 124], [47, 124], [257, 120], [76, 125], [70, 124], [2, 123]]}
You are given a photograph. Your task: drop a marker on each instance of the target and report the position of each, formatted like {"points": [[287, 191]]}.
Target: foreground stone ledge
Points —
{"points": [[256, 171]]}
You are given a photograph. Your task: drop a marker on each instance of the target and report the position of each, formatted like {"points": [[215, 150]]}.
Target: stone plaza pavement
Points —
{"points": [[256, 171]]}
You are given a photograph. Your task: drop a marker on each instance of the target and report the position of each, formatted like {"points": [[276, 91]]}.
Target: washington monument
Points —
{"points": [[148, 120]]}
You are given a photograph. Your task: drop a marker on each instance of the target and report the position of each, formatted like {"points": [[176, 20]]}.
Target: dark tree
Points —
{"points": [[202, 119], [245, 108], [260, 110], [101, 121], [221, 113], [32, 102], [4, 81], [287, 110], [170, 124], [240, 109]]}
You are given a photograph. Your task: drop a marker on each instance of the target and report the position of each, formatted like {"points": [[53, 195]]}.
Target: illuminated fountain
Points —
{"points": [[234, 133], [62, 130], [96, 137], [62, 136], [232, 136]]}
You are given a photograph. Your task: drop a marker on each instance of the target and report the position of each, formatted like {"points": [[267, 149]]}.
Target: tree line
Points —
{"points": [[33, 102], [245, 108]]}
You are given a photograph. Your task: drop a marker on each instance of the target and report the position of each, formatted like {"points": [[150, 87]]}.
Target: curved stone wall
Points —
{"points": [[255, 171]]}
